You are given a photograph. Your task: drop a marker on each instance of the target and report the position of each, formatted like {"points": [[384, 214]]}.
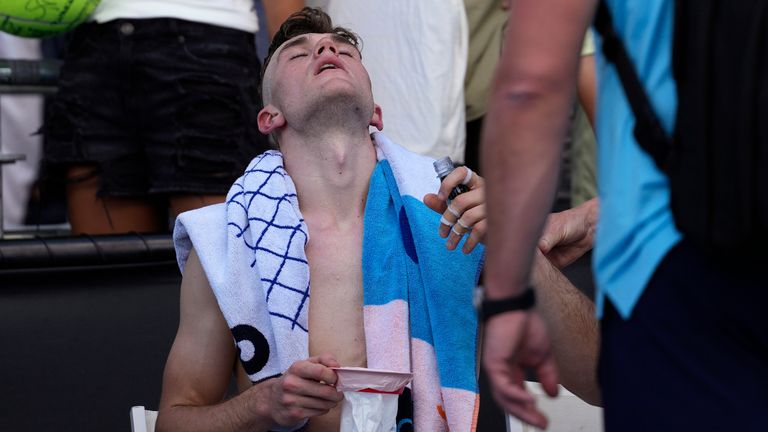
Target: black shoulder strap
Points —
{"points": [[648, 130]]}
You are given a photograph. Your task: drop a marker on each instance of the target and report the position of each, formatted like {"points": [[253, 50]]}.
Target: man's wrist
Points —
{"points": [[262, 397], [519, 302]]}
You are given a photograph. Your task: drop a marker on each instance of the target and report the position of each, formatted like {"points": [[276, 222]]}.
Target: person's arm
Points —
{"points": [[587, 86], [573, 329], [587, 82], [277, 11], [200, 365], [531, 99]]}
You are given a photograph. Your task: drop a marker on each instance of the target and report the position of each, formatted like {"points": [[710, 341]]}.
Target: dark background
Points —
{"points": [[80, 347]]}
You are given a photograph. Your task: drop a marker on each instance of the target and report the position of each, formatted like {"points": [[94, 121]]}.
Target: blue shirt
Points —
{"points": [[636, 228]]}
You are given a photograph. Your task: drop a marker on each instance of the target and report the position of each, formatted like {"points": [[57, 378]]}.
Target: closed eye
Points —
{"points": [[297, 56], [347, 53]]}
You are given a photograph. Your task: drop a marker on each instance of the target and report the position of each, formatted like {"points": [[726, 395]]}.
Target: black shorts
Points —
{"points": [[157, 106]]}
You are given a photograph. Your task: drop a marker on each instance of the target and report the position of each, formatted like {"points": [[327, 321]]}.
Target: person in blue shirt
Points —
{"points": [[684, 345]]}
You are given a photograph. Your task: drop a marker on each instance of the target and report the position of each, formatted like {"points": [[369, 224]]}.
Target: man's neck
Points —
{"points": [[331, 172]]}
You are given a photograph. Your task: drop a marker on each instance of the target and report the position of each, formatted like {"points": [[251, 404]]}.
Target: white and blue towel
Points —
{"points": [[417, 294]]}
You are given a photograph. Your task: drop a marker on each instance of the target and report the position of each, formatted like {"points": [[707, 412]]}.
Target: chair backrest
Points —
{"points": [[142, 420], [566, 413]]}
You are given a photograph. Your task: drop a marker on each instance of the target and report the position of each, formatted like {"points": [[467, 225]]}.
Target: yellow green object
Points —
{"points": [[43, 18]]}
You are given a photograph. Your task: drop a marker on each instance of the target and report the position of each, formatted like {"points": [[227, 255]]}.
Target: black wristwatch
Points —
{"points": [[489, 308]]}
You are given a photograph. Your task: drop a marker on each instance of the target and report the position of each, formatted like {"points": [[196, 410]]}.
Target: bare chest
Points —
{"points": [[336, 296]]}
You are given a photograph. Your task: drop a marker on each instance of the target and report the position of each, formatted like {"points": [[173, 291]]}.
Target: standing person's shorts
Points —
{"points": [[157, 106], [693, 356]]}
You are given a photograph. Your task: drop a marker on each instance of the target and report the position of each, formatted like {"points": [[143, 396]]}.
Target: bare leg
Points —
{"points": [[182, 203], [89, 214]]}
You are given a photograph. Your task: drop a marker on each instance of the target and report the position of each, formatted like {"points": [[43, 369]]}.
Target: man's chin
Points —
{"points": [[340, 107], [345, 100]]}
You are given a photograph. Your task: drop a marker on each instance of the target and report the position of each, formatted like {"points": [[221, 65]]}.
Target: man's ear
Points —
{"points": [[270, 119], [377, 120]]}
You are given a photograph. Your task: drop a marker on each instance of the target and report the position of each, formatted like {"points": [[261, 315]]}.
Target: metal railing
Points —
{"points": [[29, 76], [23, 77]]}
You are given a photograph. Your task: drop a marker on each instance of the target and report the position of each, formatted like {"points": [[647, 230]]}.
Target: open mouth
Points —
{"points": [[328, 64]]}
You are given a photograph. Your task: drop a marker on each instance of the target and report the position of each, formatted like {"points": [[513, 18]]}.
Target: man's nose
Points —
{"points": [[326, 45]]}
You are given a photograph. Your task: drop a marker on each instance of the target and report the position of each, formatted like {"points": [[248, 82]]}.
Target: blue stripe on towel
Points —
{"points": [[405, 258]]}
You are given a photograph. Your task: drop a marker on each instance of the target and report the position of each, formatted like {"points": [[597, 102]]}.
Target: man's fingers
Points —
{"points": [[467, 201], [554, 234], [448, 220], [475, 218], [461, 215], [514, 393], [461, 175], [328, 359], [506, 379], [454, 213], [313, 370], [476, 236], [456, 233], [547, 374], [308, 402], [473, 215], [527, 413], [544, 245], [519, 402], [569, 227], [434, 202], [298, 386]]}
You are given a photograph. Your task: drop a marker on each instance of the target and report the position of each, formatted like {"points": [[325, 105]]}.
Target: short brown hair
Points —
{"points": [[307, 20]]}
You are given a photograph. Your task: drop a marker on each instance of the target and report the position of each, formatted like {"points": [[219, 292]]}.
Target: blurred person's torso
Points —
{"points": [[636, 229]]}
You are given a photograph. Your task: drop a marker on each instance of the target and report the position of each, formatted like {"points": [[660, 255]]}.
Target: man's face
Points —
{"points": [[317, 71]]}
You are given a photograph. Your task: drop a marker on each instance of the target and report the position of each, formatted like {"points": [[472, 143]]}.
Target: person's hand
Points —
{"points": [[305, 390], [465, 214], [570, 234], [513, 342]]}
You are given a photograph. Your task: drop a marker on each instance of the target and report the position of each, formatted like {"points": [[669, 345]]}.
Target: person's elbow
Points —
{"points": [[525, 88], [164, 421]]}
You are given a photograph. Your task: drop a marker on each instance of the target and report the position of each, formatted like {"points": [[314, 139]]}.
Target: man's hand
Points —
{"points": [[305, 390], [570, 234], [465, 214], [516, 341]]}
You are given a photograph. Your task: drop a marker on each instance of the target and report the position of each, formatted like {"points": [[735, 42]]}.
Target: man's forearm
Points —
{"points": [[520, 156], [531, 98], [245, 412], [573, 329]]}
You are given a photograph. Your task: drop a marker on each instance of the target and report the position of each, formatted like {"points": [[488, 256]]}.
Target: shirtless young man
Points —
{"points": [[318, 107], [319, 115]]}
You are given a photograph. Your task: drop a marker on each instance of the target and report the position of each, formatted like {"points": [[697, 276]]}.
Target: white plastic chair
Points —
{"points": [[142, 420], [566, 413]]}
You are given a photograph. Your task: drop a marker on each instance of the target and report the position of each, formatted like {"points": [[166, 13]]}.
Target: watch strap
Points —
{"points": [[524, 301]]}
